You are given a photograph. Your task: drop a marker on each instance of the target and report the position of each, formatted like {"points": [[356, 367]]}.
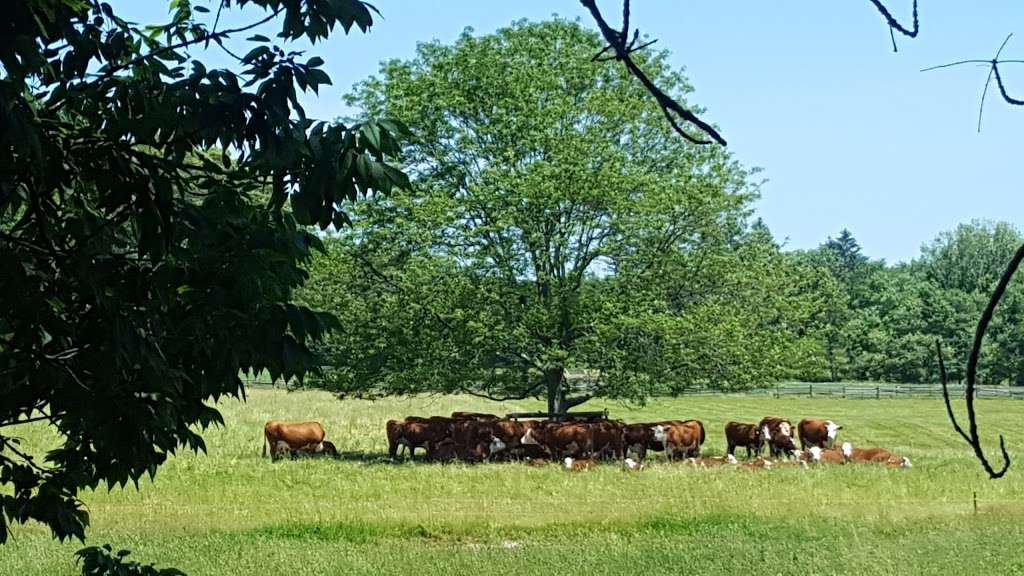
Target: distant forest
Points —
{"points": [[883, 321]]}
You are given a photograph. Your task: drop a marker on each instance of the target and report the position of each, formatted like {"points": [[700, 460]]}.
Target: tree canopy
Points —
{"points": [[140, 273], [562, 238]]}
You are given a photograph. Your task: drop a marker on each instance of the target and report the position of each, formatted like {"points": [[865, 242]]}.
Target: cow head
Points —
{"points": [[568, 463], [905, 462], [496, 445], [528, 439], [815, 453], [329, 449], [659, 433], [847, 450], [729, 458], [785, 429], [832, 429], [631, 464]]}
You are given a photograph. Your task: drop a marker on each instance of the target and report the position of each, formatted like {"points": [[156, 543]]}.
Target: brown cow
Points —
{"points": [[415, 432], [295, 435], [778, 433], [682, 439], [448, 450], [507, 436], [877, 455], [749, 436], [820, 433], [827, 456], [560, 438], [639, 438], [480, 416], [606, 439]]}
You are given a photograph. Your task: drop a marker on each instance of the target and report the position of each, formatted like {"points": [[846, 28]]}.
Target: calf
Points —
{"points": [[820, 433], [757, 464], [577, 464], [279, 449], [633, 465], [749, 436], [320, 450], [877, 455], [713, 461]]}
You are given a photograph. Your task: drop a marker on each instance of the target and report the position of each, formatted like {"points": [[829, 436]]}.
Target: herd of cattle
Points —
{"points": [[478, 437]]}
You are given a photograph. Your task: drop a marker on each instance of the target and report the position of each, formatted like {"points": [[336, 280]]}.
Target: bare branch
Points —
{"points": [[895, 25], [622, 48], [993, 66], [972, 363], [945, 393]]}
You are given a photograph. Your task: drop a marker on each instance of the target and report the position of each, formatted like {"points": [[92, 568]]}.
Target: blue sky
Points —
{"points": [[849, 134]]}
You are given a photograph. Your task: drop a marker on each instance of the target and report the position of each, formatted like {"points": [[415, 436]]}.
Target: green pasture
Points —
{"points": [[232, 512]]}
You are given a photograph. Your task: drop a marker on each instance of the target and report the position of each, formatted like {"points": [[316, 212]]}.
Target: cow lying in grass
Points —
{"points": [[875, 455]]}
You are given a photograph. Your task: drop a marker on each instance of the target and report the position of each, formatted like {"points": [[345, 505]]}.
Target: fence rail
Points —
{"points": [[864, 391]]}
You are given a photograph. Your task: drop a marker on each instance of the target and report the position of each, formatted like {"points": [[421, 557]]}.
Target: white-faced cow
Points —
{"points": [[778, 434], [820, 433], [875, 455]]}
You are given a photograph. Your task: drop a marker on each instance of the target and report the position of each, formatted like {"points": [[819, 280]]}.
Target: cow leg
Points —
{"points": [[731, 449]]}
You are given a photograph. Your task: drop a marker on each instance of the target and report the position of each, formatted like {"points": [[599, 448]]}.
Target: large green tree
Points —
{"points": [[140, 274], [562, 238]]}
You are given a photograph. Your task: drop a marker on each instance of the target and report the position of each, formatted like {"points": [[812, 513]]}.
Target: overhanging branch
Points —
{"points": [[620, 45], [971, 436]]}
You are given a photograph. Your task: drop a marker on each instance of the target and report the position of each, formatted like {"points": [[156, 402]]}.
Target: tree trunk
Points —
{"points": [[554, 384]]}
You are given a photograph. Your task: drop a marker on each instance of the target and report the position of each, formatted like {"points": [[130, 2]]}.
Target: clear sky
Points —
{"points": [[849, 134]]}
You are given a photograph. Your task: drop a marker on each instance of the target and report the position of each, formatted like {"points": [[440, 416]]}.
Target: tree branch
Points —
{"points": [[184, 43], [895, 25], [619, 44], [972, 437]]}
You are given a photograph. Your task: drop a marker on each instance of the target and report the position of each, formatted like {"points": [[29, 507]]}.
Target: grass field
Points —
{"points": [[232, 512]]}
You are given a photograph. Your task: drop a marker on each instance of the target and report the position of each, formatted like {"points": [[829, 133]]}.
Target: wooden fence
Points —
{"points": [[862, 390]]}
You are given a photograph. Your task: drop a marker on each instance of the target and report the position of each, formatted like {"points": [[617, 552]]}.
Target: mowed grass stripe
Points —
{"points": [[234, 512]]}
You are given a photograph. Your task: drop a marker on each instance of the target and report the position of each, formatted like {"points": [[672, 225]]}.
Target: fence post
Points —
{"points": [[810, 390], [877, 392], [844, 390], [777, 390]]}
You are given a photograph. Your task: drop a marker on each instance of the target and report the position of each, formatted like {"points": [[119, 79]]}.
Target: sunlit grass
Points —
{"points": [[233, 512]]}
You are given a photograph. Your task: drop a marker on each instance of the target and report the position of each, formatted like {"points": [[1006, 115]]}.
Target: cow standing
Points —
{"points": [[415, 432], [749, 436], [560, 438], [680, 439], [820, 433], [778, 434], [294, 435]]}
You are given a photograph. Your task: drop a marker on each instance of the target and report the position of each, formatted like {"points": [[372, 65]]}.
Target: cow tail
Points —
{"points": [[264, 443]]}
